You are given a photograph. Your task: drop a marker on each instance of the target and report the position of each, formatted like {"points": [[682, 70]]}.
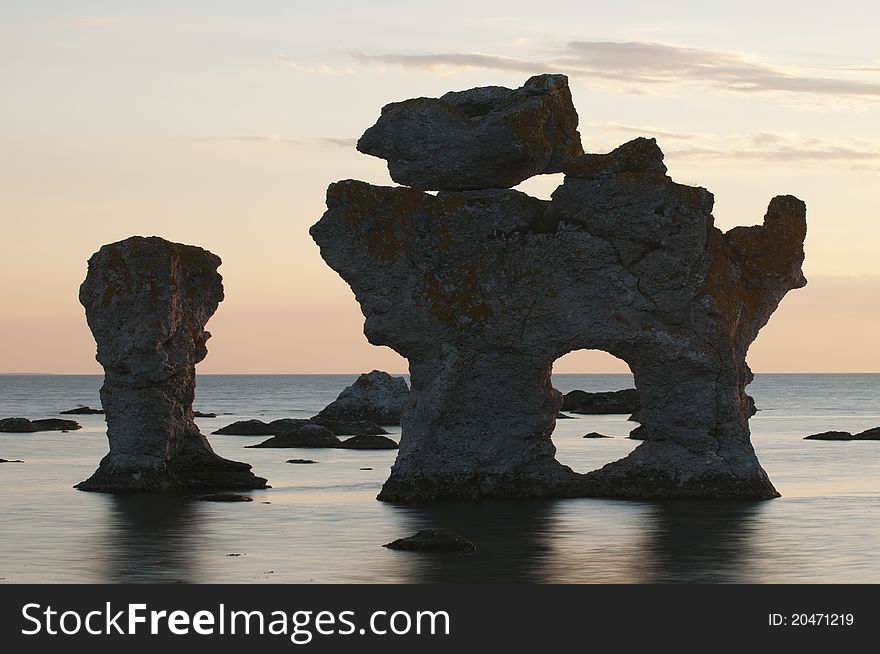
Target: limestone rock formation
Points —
{"points": [[375, 397], [25, 426], [488, 137], [482, 290], [625, 401], [147, 301], [301, 433]]}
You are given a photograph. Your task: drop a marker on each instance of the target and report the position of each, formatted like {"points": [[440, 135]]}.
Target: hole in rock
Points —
{"points": [[593, 371]]}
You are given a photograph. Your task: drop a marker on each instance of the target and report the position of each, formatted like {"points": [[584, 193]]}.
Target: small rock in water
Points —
{"points": [[432, 540], [369, 443], [869, 434], [25, 426], [366, 468], [235, 554], [199, 414], [82, 411], [226, 497], [300, 461], [830, 436], [11, 461], [595, 434]]}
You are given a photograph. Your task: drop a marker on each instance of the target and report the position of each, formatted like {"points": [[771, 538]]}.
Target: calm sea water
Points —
{"points": [[321, 523]]}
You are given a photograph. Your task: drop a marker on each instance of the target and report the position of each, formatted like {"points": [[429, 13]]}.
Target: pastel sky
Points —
{"points": [[221, 124]]}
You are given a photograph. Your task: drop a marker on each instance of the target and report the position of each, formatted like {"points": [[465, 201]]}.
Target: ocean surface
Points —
{"points": [[321, 523]]}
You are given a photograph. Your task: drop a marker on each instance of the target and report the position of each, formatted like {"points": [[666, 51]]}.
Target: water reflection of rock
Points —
{"points": [[702, 542], [150, 539], [513, 540]]}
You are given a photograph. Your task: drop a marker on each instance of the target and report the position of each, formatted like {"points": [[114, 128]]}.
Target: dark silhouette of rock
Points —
{"points": [[82, 411], [487, 137], [639, 433], [305, 434], [626, 401], [304, 461], [147, 301], [11, 461], [634, 417], [867, 435], [432, 540], [25, 426], [369, 442], [595, 434], [349, 427], [225, 497], [246, 428], [199, 414], [562, 416], [375, 397], [483, 290]]}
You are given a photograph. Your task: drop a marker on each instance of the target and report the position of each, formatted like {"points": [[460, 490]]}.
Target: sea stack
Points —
{"points": [[147, 301], [483, 289]]}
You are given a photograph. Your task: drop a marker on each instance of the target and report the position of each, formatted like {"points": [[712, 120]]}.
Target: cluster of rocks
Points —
{"points": [[374, 399], [482, 288], [25, 426], [872, 434]]}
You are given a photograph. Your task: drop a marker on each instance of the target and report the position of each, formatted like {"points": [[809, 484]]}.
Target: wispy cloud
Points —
{"points": [[759, 146], [314, 68], [293, 140], [651, 64]]}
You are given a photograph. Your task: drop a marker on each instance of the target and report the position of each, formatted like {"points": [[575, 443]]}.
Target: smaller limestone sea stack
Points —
{"points": [[375, 397], [147, 301], [625, 401]]}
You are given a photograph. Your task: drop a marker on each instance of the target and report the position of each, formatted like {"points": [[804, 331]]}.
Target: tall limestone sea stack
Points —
{"points": [[147, 301], [482, 288]]}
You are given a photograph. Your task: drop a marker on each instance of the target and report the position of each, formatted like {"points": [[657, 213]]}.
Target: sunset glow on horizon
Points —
{"points": [[222, 124]]}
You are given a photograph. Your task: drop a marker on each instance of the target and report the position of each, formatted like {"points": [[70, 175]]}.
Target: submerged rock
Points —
{"points": [[595, 434], [303, 461], [487, 137], [11, 461], [25, 426], [82, 411], [199, 414], [375, 397], [147, 301], [369, 442], [432, 540], [482, 290], [625, 401], [225, 497]]}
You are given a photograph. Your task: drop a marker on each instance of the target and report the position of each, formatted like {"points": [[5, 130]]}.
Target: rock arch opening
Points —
{"points": [[599, 409]]}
